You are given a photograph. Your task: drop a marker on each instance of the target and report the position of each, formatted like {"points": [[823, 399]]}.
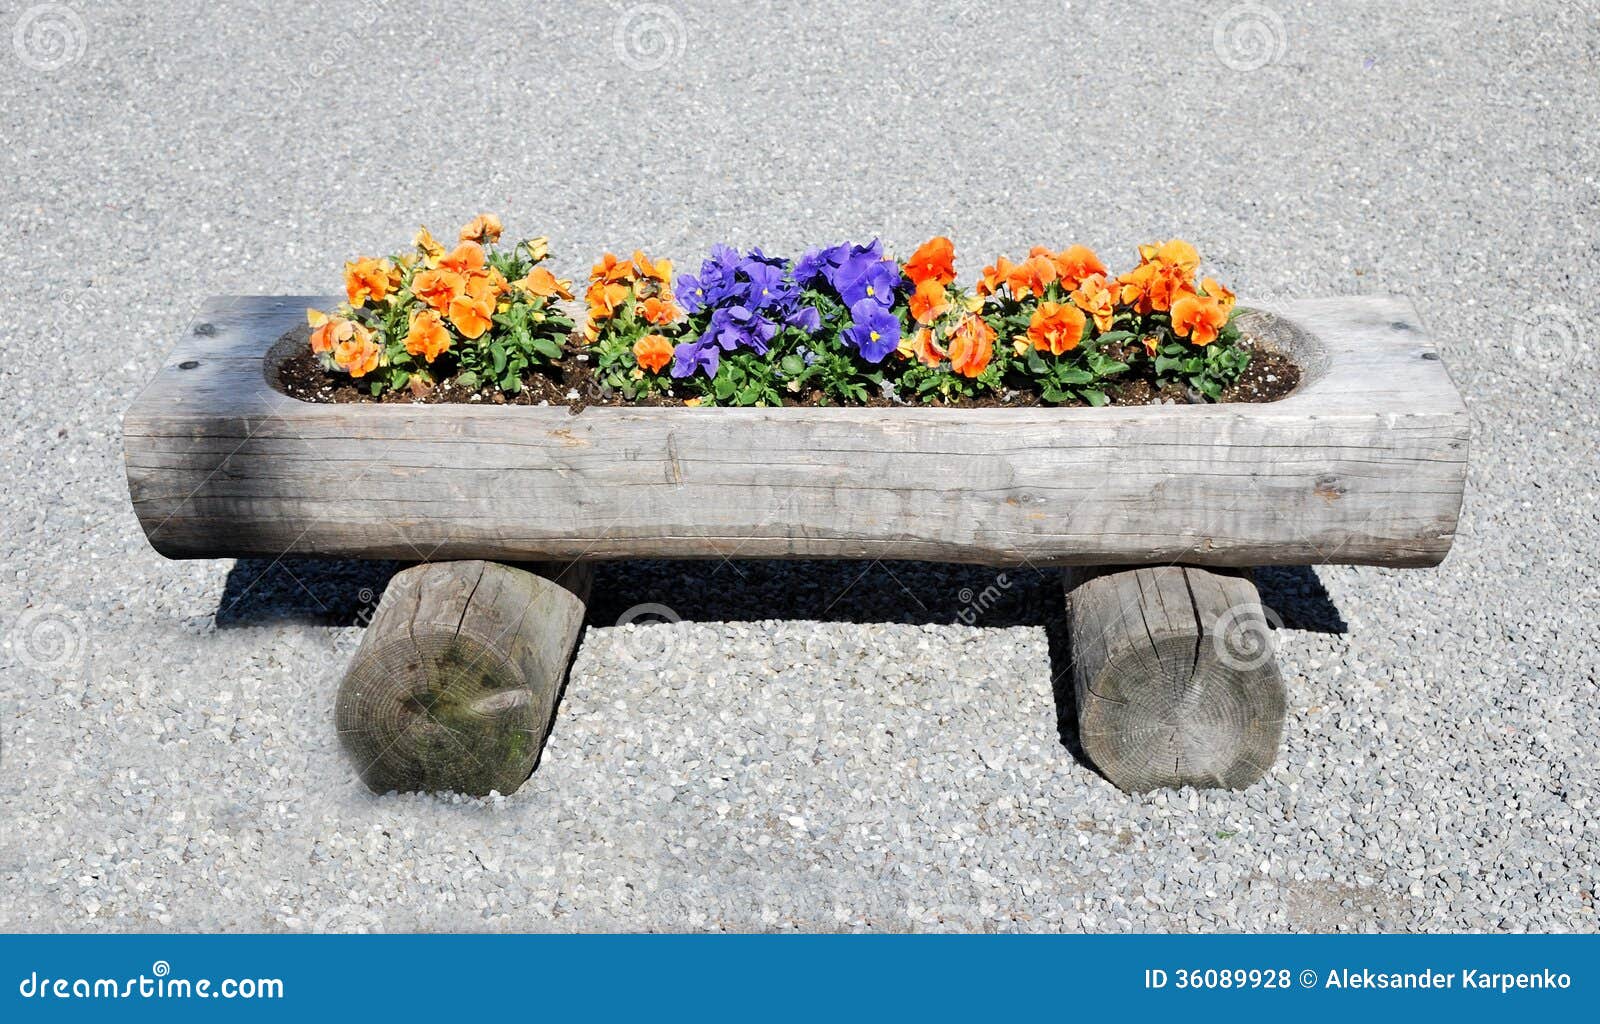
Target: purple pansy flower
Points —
{"points": [[806, 318], [734, 327], [820, 264], [876, 331], [768, 286], [868, 277], [690, 356], [744, 301]]}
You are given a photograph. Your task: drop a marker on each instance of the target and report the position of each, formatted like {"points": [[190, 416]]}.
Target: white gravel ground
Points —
{"points": [[815, 746]]}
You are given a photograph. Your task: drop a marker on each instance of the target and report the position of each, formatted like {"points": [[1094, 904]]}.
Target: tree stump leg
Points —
{"points": [[454, 685], [1175, 676]]}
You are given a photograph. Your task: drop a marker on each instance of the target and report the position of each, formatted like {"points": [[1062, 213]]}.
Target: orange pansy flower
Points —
{"points": [[930, 301], [1198, 318], [485, 227], [1075, 264], [465, 259], [1165, 273], [430, 248], [603, 299], [934, 260], [922, 345], [472, 314], [1032, 275], [357, 356], [1152, 287], [611, 270], [542, 283], [488, 284], [971, 346], [428, 336], [438, 288], [658, 310], [1176, 253], [1134, 288], [369, 279], [1093, 296], [1217, 290], [329, 332], [1056, 327], [652, 352], [994, 276], [660, 270]]}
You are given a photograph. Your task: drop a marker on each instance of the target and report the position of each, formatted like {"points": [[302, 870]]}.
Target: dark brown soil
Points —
{"points": [[1269, 377]]}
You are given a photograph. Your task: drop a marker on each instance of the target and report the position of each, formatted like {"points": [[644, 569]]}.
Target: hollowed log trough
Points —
{"points": [[1159, 508]]}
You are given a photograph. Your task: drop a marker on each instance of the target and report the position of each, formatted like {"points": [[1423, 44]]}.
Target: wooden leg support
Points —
{"points": [[455, 682], [1175, 676]]}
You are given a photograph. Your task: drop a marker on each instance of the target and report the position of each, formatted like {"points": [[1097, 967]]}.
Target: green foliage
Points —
{"points": [[616, 367], [527, 331], [842, 377], [1208, 370], [743, 378]]}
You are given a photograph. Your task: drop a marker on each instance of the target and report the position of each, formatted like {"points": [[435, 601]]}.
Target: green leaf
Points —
{"points": [[1112, 336], [467, 379], [793, 365], [1073, 375], [724, 387], [1093, 396]]}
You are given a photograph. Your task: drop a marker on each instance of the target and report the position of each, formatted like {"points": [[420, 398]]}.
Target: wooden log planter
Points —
{"points": [[1364, 463]]}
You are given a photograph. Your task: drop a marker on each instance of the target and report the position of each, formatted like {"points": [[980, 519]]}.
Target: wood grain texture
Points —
{"points": [[1175, 677], [1364, 463], [455, 682]]}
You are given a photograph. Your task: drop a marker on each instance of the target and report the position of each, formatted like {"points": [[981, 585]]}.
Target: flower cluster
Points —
{"points": [[740, 303], [844, 323], [633, 316], [472, 312], [1074, 328], [868, 284], [948, 324]]}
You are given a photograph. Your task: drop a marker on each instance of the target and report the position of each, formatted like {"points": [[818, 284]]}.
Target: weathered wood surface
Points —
{"points": [[1364, 463], [455, 682], [1175, 677]]}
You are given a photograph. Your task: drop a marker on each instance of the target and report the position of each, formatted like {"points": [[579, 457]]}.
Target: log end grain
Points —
{"points": [[455, 682], [1175, 678]]}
